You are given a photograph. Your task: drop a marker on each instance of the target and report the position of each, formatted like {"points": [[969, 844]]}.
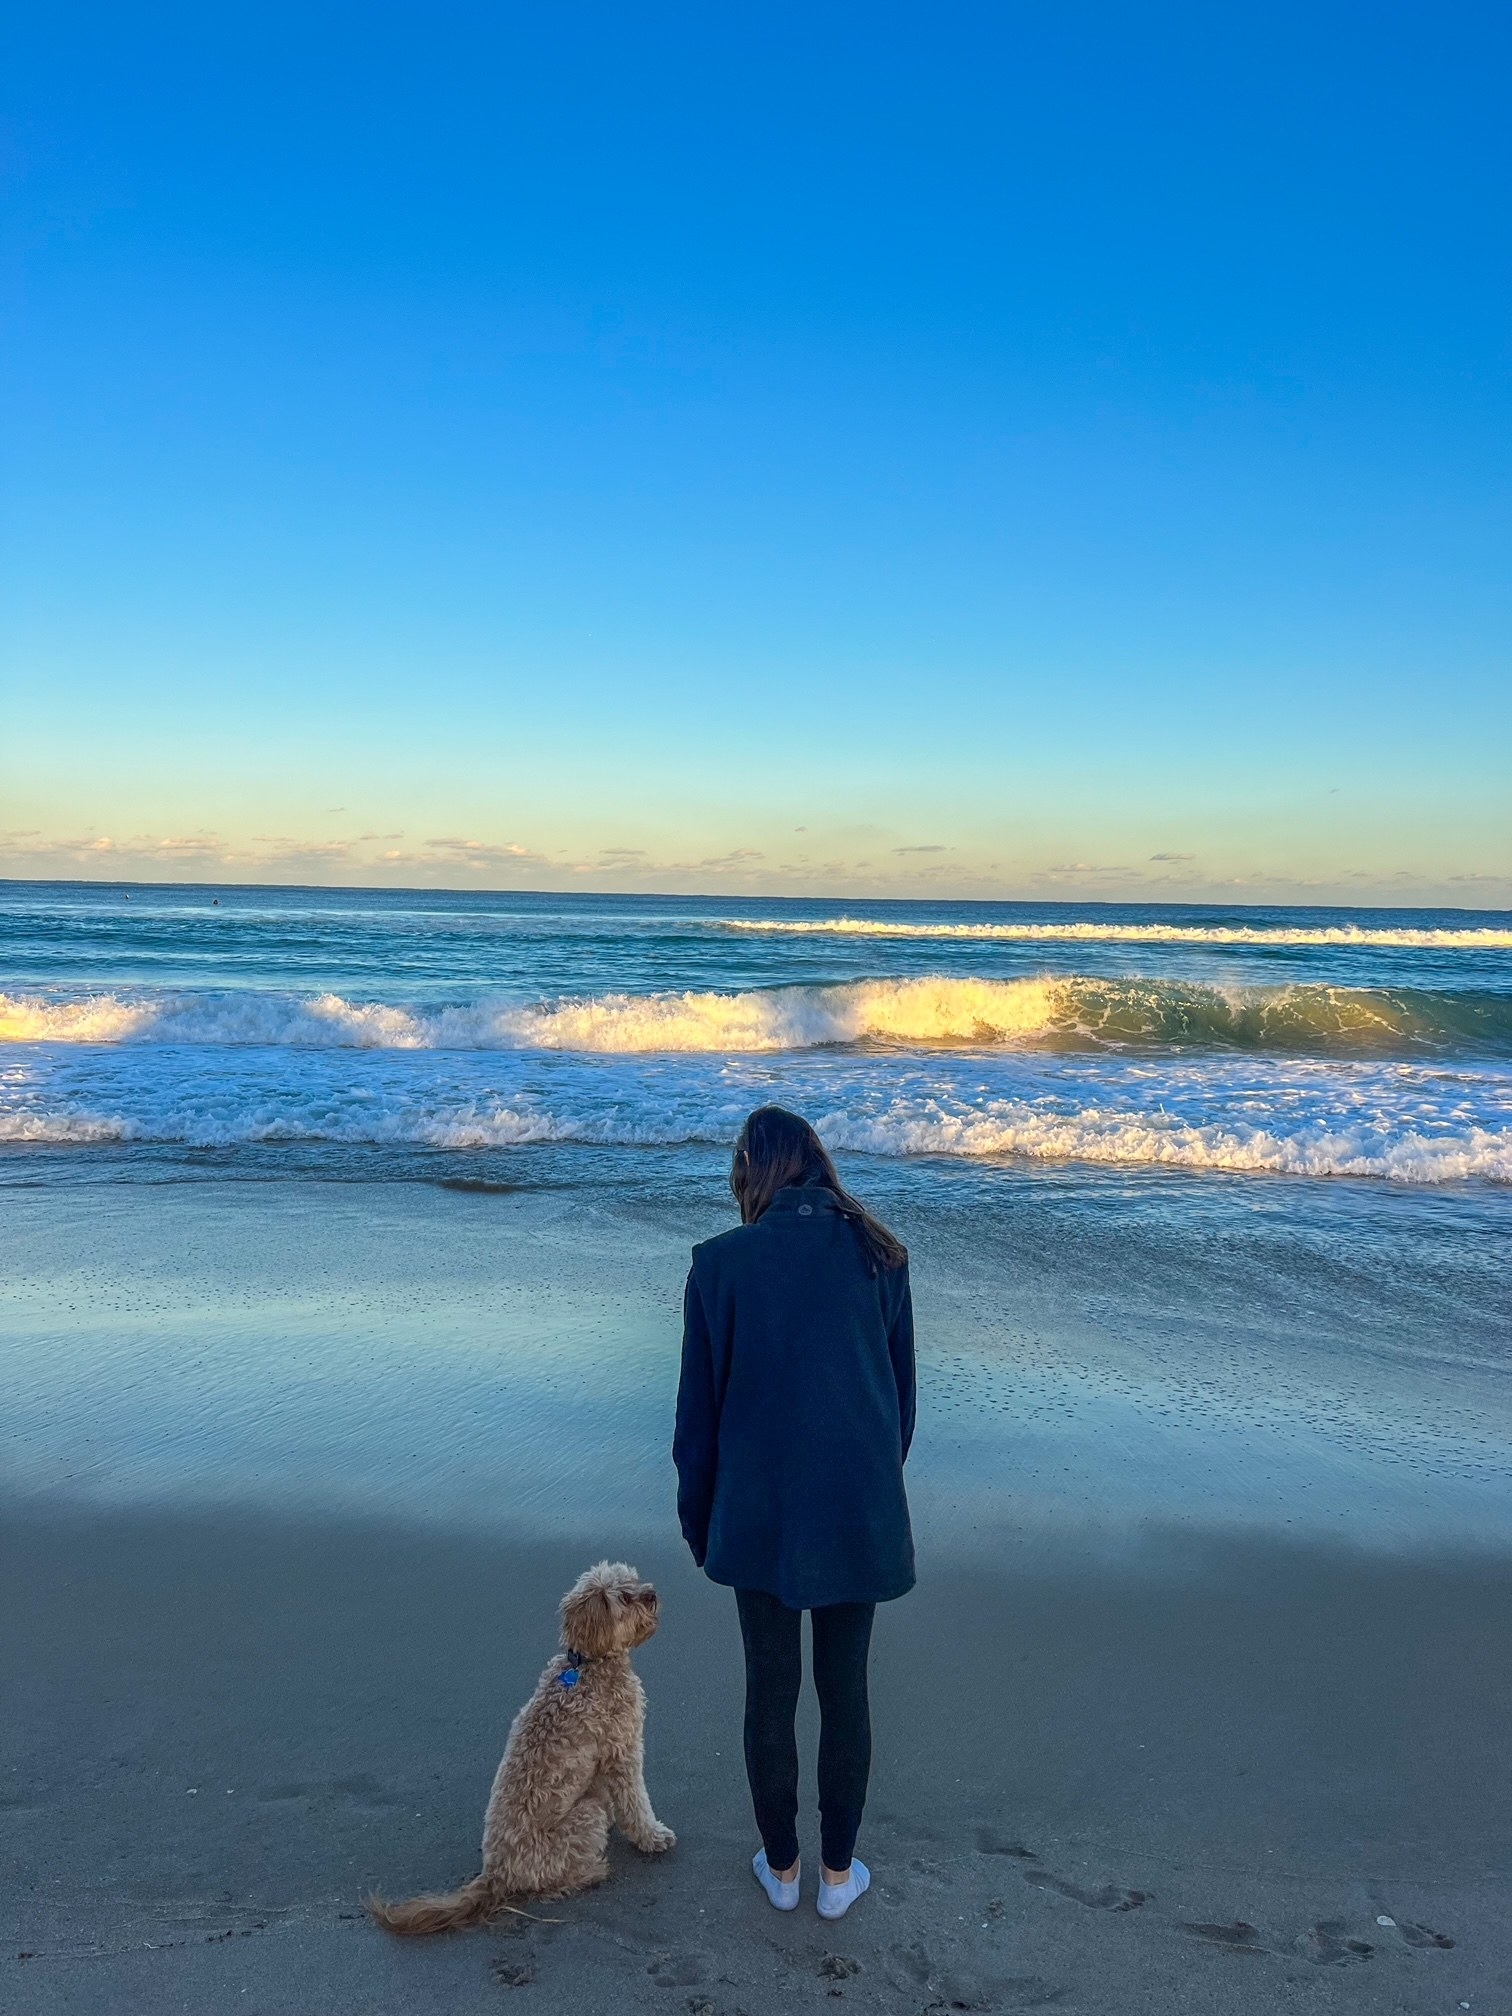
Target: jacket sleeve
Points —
{"points": [[695, 1441], [900, 1346]]}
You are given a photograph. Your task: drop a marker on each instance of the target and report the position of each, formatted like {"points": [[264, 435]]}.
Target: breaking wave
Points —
{"points": [[1042, 1013], [1479, 938], [999, 1128]]}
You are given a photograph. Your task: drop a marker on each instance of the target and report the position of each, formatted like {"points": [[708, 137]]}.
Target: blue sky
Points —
{"points": [[992, 450]]}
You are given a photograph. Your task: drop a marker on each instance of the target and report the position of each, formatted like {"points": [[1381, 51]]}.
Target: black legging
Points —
{"points": [[773, 1637]]}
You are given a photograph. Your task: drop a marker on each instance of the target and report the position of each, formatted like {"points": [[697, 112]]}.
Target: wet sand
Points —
{"points": [[1193, 1778]]}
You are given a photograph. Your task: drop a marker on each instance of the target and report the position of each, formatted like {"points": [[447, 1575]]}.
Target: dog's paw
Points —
{"points": [[658, 1841]]}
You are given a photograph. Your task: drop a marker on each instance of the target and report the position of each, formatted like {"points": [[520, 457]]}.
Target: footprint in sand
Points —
{"points": [[678, 1970], [1423, 1935], [1327, 1944], [1111, 1897], [992, 1841], [1002, 1991], [960, 1989], [1236, 1938], [907, 1828], [914, 1962]]}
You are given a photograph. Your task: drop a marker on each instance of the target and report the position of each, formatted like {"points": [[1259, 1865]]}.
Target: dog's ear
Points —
{"points": [[591, 1613]]}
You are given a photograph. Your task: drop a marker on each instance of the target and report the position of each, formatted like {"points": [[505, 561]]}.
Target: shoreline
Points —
{"points": [[1092, 1362]]}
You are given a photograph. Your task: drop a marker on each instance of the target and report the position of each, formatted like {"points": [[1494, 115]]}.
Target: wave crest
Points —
{"points": [[1477, 938], [1050, 1012]]}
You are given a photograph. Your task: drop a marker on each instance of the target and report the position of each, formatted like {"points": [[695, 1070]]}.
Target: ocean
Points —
{"points": [[384, 1198], [1307, 1042]]}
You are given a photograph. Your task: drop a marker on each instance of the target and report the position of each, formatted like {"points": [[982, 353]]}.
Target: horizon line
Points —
{"points": [[710, 896]]}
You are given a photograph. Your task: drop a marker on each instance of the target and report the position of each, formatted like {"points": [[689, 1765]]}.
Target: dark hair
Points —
{"points": [[778, 1151]]}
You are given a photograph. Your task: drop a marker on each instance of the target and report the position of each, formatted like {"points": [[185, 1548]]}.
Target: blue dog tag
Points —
{"points": [[569, 1677]]}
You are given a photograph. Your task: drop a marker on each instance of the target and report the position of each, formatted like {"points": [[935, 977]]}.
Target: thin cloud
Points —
{"points": [[450, 850], [188, 846], [934, 847], [287, 852], [738, 857], [1081, 868]]}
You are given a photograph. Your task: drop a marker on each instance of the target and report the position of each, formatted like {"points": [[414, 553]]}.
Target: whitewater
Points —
{"points": [[1304, 1044], [1483, 938]]}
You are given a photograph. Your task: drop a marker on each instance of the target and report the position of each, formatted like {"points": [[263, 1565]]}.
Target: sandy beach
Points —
{"points": [[298, 1471], [1193, 1782]]}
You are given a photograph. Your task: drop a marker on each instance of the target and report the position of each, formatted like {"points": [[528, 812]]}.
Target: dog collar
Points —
{"points": [[568, 1677]]}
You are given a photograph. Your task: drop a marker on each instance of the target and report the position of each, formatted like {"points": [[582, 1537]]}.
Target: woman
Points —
{"points": [[794, 1416]]}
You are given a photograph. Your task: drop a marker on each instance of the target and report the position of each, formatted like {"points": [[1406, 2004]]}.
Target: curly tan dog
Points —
{"points": [[573, 1764]]}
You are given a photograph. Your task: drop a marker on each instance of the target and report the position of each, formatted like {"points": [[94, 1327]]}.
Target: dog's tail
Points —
{"points": [[471, 1905]]}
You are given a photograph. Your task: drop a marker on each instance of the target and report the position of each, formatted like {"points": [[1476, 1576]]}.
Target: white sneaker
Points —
{"points": [[835, 1899], [781, 1896]]}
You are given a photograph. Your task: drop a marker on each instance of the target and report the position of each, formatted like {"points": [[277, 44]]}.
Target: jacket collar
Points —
{"points": [[804, 1197]]}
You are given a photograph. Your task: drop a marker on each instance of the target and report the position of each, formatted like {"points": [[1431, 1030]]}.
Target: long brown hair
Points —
{"points": [[776, 1150]]}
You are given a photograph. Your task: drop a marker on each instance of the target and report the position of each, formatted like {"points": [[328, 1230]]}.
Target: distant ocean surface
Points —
{"points": [[1316, 1043]]}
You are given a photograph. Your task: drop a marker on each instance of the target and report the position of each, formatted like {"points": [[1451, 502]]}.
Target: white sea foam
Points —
{"points": [[1000, 1128], [1480, 938], [1060, 1011], [1009, 1128]]}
